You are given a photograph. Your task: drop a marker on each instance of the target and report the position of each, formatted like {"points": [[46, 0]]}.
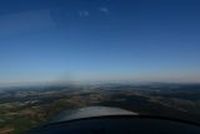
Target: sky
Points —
{"points": [[99, 40]]}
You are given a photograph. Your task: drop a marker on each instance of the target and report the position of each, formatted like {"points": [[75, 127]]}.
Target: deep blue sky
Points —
{"points": [[137, 40]]}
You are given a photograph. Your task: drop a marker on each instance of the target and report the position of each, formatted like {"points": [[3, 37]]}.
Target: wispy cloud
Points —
{"points": [[25, 22], [104, 10], [84, 13]]}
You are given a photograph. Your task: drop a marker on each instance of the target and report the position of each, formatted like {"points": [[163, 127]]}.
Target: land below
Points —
{"points": [[22, 108]]}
